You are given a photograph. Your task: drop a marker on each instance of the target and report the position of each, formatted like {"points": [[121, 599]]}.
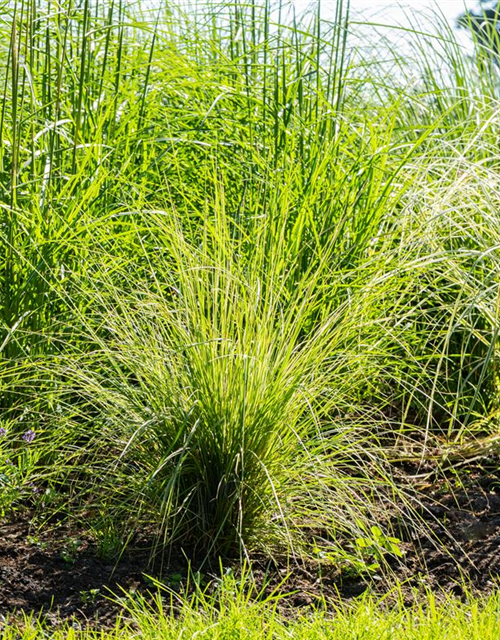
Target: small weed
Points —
{"points": [[109, 538], [90, 596], [376, 545], [69, 552], [43, 545]]}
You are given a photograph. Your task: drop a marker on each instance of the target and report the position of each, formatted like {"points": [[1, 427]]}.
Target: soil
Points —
{"points": [[59, 572], [462, 516]]}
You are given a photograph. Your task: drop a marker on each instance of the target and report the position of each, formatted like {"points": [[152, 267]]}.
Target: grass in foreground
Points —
{"points": [[231, 613]]}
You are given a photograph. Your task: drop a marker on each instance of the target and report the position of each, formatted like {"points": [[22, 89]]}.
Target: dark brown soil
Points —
{"points": [[462, 515], [59, 571]]}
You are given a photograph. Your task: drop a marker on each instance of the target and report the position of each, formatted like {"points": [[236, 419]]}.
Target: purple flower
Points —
{"points": [[29, 436], [33, 487], [3, 431]]}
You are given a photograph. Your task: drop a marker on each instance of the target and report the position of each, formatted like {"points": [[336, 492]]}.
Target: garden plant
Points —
{"points": [[249, 270]]}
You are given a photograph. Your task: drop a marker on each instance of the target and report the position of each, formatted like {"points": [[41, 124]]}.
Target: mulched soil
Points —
{"points": [[58, 571]]}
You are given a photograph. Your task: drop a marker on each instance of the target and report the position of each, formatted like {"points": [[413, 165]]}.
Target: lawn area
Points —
{"points": [[249, 323]]}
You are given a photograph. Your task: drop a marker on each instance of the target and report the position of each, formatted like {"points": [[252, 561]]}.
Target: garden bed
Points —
{"points": [[58, 571]]}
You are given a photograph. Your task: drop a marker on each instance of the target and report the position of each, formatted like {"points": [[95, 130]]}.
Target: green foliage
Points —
{"points": [[242, 263], [375, 544], [18, 464], [208, 388], [235, 609]]}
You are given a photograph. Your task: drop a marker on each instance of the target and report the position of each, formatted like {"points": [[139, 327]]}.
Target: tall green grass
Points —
{"points": [[217, 380], [244, 266]]}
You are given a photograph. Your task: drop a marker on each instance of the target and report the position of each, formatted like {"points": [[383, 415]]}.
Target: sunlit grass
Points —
{"points": [[233, 613], [244, 266]]}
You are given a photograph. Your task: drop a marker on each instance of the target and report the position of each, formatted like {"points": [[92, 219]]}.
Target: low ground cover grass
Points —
{"points": [[246, 268], [231, 613]]}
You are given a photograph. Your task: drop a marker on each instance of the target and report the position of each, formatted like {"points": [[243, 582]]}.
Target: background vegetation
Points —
{"points": [[246, 268]]}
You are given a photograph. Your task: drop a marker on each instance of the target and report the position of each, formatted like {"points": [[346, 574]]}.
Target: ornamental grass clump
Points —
{"points": [[208, 387]]}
